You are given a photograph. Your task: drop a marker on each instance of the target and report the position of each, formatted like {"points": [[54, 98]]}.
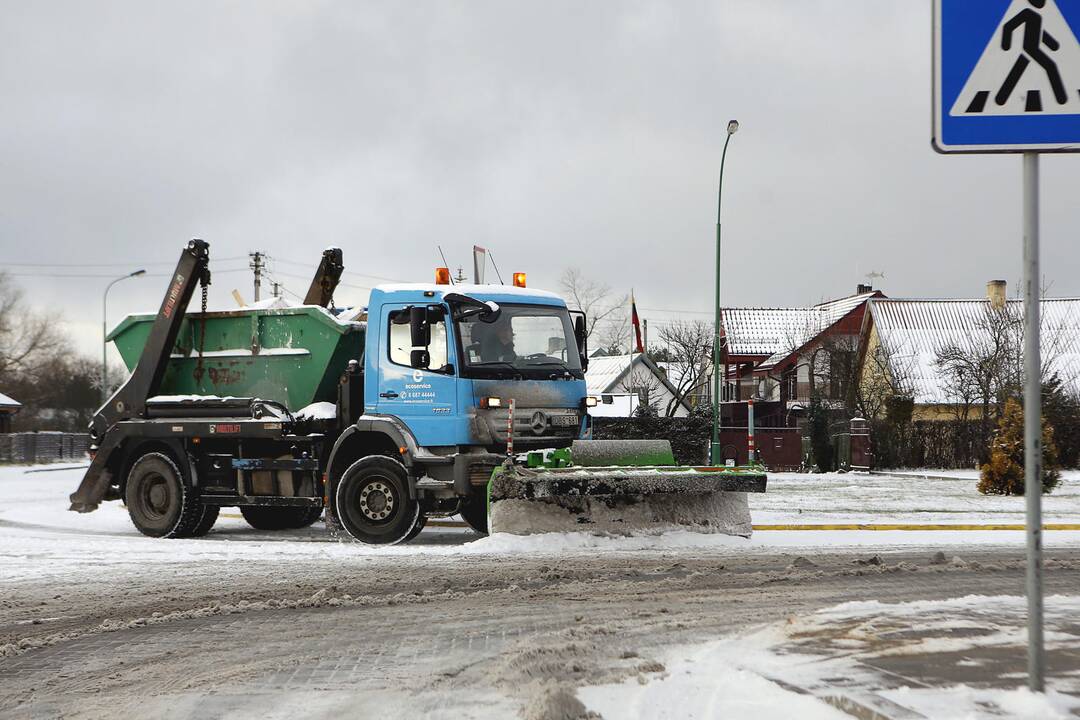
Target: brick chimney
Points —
{"points": [[862, 289], [995, 294]]}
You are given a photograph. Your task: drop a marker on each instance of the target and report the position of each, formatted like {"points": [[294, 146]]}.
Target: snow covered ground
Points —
{"points": [[579, 600], [887, 658], [33, 509]]}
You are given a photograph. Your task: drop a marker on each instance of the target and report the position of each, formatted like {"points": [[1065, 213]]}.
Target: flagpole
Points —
{"points": [[630, 367]]}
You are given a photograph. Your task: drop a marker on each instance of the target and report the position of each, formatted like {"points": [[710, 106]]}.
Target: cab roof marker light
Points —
{"points": [[442, 276], [519, 279]]}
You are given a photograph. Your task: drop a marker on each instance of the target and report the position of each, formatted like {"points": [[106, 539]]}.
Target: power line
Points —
{"points": [[275, 258], [105, 275], [105, 265], [669, 310], [340, 284]]}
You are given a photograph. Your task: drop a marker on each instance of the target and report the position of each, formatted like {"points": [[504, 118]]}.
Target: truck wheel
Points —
{"points": [[474, 512], [372, 501], [206, 521], [421, 521], [158, 501], [262, 517]]}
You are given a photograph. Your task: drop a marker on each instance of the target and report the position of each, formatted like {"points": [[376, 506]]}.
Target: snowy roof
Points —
{"points": [[8, 402], [779, 331], [913, 331], [673, 370], [480, 291], [604, 372]]}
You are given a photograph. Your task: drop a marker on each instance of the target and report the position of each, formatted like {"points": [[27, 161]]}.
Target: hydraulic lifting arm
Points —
{"points": [[326, 278], [130, 400]]}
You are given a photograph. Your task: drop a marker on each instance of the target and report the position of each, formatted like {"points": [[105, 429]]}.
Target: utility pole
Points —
{"points": [[276, 289], [257, 264]]}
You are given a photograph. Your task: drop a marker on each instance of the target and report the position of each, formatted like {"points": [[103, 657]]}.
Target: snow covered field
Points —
{"points": [[38, 535]]}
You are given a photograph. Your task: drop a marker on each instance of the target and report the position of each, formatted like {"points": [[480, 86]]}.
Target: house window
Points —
{"points": [[840, 365], [791, 384]]}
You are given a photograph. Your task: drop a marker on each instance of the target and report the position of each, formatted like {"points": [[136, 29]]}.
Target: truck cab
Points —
{"points": [[478, 348], [442, 367]]}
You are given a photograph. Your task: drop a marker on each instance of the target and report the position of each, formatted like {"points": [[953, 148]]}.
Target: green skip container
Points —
{"points": [[293, 355]]}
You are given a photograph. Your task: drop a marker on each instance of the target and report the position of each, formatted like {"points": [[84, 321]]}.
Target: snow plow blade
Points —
{"points": [[621, 499]]}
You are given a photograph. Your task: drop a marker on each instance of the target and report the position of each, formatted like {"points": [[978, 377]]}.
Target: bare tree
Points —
{"points": [[986, 367], [645, 384], [28, 340], [689, 347], [885, 376], [603, 317]]}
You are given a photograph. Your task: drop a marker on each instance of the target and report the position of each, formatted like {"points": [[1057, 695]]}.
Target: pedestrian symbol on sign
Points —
{"points": [[1031, 66]]}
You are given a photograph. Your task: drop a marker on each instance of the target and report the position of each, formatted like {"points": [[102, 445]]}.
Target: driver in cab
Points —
{"points": [[497, 344]]}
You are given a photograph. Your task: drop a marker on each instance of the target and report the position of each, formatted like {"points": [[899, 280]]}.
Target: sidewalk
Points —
{"points": [[962, 657], [956, 658]]}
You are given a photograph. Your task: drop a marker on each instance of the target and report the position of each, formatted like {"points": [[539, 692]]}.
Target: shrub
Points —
{"points": [[1004, 474], [817, 416]]}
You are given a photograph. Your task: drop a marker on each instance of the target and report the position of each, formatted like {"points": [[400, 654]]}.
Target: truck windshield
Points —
{"points": [[534, 341]]}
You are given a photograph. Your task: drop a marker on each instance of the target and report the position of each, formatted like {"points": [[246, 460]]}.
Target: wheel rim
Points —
{"points": [[377, 501], [155, 496]]}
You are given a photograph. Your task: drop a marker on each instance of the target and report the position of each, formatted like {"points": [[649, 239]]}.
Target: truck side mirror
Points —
{"points": [[419, 326], [582, 337], [420, 359]]}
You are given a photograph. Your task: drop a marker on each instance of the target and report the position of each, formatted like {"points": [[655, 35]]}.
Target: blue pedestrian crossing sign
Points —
{"points": [[1006, 76]]}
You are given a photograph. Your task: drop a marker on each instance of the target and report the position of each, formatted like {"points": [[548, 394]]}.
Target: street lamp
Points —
{"points": [[105, 333], [714, 449]]}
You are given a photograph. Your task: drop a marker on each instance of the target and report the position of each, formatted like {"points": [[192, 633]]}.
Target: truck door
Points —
{"points": [[425, 398]]}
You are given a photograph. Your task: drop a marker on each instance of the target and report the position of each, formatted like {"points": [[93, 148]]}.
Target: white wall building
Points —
{"points": [[623, 382]]}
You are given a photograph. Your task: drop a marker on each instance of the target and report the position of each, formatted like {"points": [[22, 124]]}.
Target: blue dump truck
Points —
{"points": [[414, 407]]}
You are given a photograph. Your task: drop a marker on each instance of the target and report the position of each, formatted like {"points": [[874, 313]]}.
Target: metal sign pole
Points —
{"points": [[1033, 423]]}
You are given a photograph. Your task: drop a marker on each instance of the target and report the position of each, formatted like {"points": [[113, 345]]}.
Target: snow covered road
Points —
{"points": [[97, 620]]}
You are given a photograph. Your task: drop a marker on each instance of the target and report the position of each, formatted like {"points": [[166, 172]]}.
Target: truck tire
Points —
{"points": [[372, 501], [206, 521], [474, 512], [421, 521], [160, 503], [262, 517]]}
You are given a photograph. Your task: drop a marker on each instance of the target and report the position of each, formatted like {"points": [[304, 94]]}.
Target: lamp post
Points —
{"points": [[714, 449], [105, 333]]}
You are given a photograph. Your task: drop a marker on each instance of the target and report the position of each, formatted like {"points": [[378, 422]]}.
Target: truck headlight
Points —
{"points": [[589, 401], [490, 402]]}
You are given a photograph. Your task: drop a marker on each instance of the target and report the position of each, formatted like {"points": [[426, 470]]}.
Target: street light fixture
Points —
{"points": [[714, 448], [105, 333]]}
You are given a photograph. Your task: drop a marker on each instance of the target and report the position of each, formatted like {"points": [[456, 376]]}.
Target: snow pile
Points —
{"points": [[839, 657], [566, 542], [318, 411], [725, 513]]}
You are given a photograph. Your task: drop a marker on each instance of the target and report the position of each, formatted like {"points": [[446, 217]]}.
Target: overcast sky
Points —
{"points": [[557, 134]]}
